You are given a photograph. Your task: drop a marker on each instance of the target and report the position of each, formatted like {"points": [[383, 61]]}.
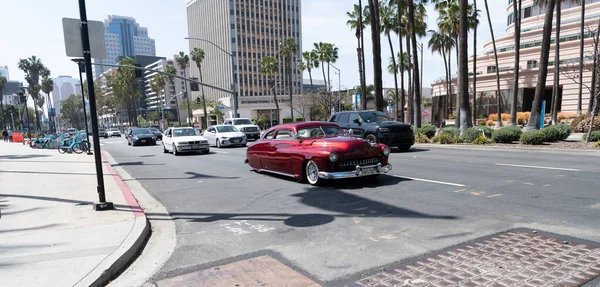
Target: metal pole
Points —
{"points": [[85, 38], [87, 131], [340, 90], [12, 117]]}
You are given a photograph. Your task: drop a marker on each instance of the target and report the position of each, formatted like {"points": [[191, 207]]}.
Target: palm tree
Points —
{"points": [[331, 58], [389, 24], [48, 87], [173, 71], [321, 51], [198, 57], [401, 31], [437, 43], [376, 40], [157, 84], [33, 68], [463, 68], [475, 23], [288, 48], [534, 120], [2, 83], [311, 59], [498, 94], [183, 61], [393, 69], [357, 22], [581, 46], [448, 22], [517, 27], [268, 66], [415, 57]]}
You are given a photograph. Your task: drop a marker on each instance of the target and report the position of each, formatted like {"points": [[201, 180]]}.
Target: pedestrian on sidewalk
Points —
{"points": [[10, 135], [5, 136]]}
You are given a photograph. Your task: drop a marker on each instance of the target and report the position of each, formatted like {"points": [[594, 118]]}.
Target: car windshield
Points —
{"points": [[319, 132], [114, 130], [184, 132], [154, 130], [374, 117], [141, 131], [227, 129], [242, 122]]}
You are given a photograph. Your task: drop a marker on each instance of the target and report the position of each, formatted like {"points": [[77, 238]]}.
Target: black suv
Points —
{"points": [[376, 127]]}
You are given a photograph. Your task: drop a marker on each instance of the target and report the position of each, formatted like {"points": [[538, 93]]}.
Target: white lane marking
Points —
{"points": [[534, 166], [218, 151], [430, 181]]}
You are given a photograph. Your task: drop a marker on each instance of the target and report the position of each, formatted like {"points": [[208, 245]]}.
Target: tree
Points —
{"points": [[475, 23], [498, 93], [124, 83], [48, 87], [157, 85], [172, 71], [288, 48], [596, 95], [71, 111], [517, 26], [555, 85], [463, 69], [357, 22], [268, 66], [389, 24], [198, 57], [321, 51], [416, 81], [376, 42], [449, 24], [33, 68], [311, 59], [581, 45], [534, 120], [401, 31], [183, 61], [2, 83], [439, 43]]}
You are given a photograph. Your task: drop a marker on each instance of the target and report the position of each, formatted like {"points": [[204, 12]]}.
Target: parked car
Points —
{"points": [[245, 126], [315, 151], [140, 136], [101, 132], [180, 140], [157, 133], [114, 132], [225, 135], [376, 127]]}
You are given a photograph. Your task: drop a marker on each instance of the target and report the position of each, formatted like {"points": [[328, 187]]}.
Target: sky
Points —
{"points": [[38, 31]]}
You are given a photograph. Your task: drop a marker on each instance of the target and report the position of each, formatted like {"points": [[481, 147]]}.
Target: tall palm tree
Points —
{"points": [[376, 43], [498, 94], [415, 56], [437, 43], [357, 22], [401, 31], [311, 60], [173, 71], [392, 68], [388, 25], [269, 66], [475, 23], [198, 57], [47, 88], [288, 49], [33, 68], [2, 83], [515, 93], [448, 22], [581, 46], [321, 51], [183, 61], [534, 120], [463, 68], [555, 85], [157, 84], [331, 58]]}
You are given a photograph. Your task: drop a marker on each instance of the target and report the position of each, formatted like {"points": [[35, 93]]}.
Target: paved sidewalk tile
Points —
{"points": [[49, 234]]}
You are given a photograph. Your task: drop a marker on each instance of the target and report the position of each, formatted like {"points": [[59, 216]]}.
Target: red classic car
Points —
{"points": [[315, 151]]}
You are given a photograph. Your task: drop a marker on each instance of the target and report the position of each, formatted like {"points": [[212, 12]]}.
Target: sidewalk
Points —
{"points": [[49, 234]]}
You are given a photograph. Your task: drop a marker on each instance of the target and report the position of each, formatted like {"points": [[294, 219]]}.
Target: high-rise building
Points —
{"points": [[124, 38], [64, 86], [4, 72], [250, 31], [532, 25]]}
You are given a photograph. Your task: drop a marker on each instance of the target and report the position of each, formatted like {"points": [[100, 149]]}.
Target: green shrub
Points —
{"points": [[427, 130], [299, 119], [594, 136], [443, 139], [458, 140], [550, 134], [533, 138], [486, 130], [287, 120], [451, 130], [470, 134], [597, 144], [556, 132], [421, 138], [481, 140], [507, 135]]}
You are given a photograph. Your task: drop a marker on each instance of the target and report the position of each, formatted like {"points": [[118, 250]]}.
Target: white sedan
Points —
{"points": [[225, 135], [180, 140]]}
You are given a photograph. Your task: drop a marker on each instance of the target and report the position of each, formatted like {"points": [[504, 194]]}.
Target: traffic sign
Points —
{"points": [[196, 125], [74, 44]]}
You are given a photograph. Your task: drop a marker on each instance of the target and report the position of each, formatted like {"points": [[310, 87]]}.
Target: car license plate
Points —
{"points": [[195, 147], [234, 141], [369, 171], [143, 141]]}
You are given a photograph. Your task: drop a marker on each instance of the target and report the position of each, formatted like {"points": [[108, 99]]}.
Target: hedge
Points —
{"points": [[444, 139], [287, 120], [556, 132], [486, 131], [453, 131], [480, 140], [470, 134], [594, 137], [299, 119], [421, 138], [427, 130], [533, 138], [507, 134]]}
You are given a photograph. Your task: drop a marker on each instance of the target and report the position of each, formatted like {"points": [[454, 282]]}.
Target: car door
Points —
{"points": [[209, 134], [257, 153], [167, 140], [356, 124], [281, 154]]}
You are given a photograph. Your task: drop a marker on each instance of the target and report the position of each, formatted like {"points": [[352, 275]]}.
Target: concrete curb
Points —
{"points": [[501, 148], [127, 251]]}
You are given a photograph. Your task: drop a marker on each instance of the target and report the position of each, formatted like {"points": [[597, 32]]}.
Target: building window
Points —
{"points": [[491, 69], [527, 12], [531, 64]]}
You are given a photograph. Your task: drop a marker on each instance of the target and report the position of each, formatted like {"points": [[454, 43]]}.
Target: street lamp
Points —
{"points": [[233, 79], [339, 86], [81, 66]]}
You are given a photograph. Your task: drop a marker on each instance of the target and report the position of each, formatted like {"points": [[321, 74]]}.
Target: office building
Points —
{"points": [[4, 72], [317, 86], [532, 23], [250, 31], [64, 86], [124, 38], [11, 88]]}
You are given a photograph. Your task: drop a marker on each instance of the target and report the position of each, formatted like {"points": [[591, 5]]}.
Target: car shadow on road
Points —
{"points": [[134, 163], [412, 150], [192, 175]]}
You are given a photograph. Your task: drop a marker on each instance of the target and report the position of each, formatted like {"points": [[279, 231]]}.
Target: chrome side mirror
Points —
{"points": [[350, 133]]}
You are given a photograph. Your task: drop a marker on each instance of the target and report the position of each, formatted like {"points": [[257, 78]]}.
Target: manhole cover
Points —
{"points": [[509, 259]]}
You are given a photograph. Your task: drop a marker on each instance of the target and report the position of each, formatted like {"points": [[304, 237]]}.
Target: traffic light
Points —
{"points": [[198, 100], [138, 73]]}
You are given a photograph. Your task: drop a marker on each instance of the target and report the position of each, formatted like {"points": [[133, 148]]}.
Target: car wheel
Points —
{"points": [[312, 173], [404, 147], [175, 150], [218, 144], [371, 138], [154, 143], [128, 143], [207, 151], [164, 149]]}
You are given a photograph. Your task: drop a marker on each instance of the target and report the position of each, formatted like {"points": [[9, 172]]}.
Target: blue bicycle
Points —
{"points": [[73, 144]]}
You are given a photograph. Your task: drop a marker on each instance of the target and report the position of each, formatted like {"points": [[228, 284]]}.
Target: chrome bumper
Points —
{"points": [[358, 172]]}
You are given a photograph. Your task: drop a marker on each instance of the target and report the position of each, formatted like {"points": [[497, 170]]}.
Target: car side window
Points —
{"points": [[284, 135], [333, 118], [269, 136], [343, 118], [352, 118]]}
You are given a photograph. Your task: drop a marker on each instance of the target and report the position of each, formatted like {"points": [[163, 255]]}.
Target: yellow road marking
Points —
{"points": [[460, 190], [546, 185], [373, 239], [389, 236], [528, 183], [478, 193], [512, 180]]}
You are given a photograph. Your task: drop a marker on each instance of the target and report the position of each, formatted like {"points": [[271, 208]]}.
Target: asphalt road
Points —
{"points": [[433, 198]]}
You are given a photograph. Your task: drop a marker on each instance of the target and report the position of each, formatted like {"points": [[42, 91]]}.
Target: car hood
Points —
{"points": [[189, 138], [246, 126], [346, 147], [231, 134], [144, 136]]}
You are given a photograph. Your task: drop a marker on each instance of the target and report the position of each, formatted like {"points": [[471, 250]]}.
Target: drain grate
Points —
{"points": [[508, 259]]}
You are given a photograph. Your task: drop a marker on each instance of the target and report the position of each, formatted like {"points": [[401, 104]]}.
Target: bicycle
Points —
{"points": [[72, 145]]}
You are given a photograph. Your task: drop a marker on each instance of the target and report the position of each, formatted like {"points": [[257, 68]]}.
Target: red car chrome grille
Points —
{"points": [[360, 162]]}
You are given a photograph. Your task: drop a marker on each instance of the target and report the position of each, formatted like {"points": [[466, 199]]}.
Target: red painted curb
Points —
{"points": [[129, 198]]}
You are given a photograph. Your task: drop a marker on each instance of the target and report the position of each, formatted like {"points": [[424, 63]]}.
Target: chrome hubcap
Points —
{"points": [[371, 139], [313, 172]]}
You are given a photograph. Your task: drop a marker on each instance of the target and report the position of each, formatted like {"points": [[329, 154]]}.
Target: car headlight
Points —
{"points": [[136, 138], [181, 143], [225, 138], [333, 157], [385, 130], [386, 151]]}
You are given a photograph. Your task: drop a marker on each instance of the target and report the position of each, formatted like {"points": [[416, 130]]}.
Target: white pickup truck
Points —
{"points": [[245, 126]]}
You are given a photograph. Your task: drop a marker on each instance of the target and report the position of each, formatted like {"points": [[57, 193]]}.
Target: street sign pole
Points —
{"points": [[85, 38]]}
